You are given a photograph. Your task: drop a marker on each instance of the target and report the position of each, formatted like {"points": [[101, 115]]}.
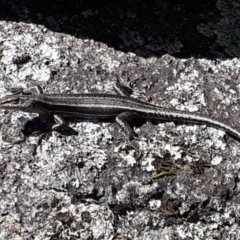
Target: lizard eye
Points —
{"points": [[16, 100]]}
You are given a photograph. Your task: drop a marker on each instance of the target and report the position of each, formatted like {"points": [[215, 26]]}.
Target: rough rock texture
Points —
{"points": [[85, 183]]}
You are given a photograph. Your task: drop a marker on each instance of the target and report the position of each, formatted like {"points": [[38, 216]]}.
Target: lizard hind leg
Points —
{"points": [[122, 120]]}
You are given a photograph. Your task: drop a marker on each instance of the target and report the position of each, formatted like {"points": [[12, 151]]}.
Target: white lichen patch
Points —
{"points": [[128, 159], [87, 148], [188, 93], [216, 160], [154, 204], [198, 139], [27, 44]]}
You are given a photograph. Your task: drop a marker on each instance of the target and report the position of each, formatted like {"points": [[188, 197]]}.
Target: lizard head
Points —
{"points": [[16, 102]]}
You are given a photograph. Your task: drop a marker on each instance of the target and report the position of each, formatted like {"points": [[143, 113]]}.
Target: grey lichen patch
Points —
{"points": [[134, 187], [90, 221]]}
